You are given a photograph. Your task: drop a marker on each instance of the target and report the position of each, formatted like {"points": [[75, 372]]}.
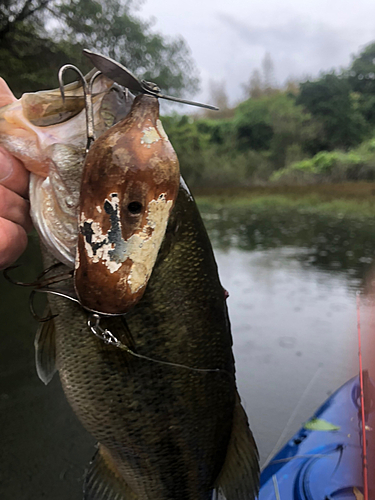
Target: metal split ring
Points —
{"points": [[108, 338]]}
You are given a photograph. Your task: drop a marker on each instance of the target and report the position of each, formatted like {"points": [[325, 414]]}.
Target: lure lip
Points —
{"points": [[119, 74]]}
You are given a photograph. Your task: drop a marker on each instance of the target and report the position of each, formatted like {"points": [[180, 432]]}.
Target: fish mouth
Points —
{"points": [[55, 155], [49, 135]]}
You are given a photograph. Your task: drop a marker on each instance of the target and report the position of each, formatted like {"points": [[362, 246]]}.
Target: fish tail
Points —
{"points": [[103, 481], [239, 477]]}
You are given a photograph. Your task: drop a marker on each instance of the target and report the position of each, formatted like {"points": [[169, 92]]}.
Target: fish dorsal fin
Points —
{"points": [[103, 481], [239, 477], [45, 350], [6, 95]]}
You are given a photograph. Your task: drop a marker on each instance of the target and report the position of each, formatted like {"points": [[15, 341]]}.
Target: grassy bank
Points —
{"points": [[356, 199]]}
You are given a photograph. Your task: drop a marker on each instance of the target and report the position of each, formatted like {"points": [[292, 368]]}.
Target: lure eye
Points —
{"points": [[135, 207]]}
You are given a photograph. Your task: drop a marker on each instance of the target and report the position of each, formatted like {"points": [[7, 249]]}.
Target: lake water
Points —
{"points": [[292, 279]]}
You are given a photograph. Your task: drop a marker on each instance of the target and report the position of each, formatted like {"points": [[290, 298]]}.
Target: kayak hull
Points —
{"points": [[321, 464]]}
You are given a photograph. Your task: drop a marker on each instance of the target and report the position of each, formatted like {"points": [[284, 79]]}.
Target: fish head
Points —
{"points": [[48, 134], [32, 125], [129, 185]]}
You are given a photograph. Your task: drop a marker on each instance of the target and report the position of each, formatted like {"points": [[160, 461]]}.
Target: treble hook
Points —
{"points": [[90, 90], [38, 282], [87, 89], [19, 283], [35, 314]]}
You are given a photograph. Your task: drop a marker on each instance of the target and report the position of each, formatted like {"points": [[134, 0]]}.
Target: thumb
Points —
{"points": [[6, 95]]}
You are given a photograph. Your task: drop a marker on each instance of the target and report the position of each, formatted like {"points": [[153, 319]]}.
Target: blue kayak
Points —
{"points": [[323, 461]]}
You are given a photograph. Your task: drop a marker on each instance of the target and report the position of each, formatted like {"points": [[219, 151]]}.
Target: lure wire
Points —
{"points": [[108, 338]]}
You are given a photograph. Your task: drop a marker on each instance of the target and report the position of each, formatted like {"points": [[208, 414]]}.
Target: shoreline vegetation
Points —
{"points": [[332, 225], [313, 132], [351, 199]]}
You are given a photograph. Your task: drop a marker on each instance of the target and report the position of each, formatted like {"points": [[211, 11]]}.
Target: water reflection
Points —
{"points": [[334, 243], [292, 278]]}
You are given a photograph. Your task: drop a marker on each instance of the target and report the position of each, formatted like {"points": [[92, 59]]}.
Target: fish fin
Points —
{"points": [[127, 335], [103, 480], [239, 477], [45, 350], [6, 95]]}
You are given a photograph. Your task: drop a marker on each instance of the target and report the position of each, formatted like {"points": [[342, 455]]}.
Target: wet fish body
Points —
{"points": [[165, 411], [166, 429]]}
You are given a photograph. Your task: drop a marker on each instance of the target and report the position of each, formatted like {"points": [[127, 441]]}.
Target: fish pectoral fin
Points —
{"points": [[126, 334], [103, 481], [45, 350], [239, 477]]}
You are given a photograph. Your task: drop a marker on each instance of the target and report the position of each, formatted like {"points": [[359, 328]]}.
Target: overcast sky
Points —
{"points": [[229, 38]]}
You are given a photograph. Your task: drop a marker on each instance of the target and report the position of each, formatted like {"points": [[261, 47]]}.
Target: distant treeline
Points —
{"points": [[315, 131]]}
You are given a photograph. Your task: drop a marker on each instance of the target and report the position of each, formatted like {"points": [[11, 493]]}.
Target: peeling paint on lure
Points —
{"points": [[129, 185]]}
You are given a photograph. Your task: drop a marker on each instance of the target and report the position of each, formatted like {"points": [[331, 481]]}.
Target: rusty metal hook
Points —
{"points": [[38, 282], [87, 89], [35, 314]]}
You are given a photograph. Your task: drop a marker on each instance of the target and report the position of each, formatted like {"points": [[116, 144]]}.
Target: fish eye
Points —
{"points": [[135, 207]]}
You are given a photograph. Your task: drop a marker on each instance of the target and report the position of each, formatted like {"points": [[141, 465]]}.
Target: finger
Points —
{"points": [[6, 95], [13, 174], [15, 208], [13, 242]]}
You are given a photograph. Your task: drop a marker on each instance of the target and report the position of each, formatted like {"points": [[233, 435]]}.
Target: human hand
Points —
{"points": [[15, 221]]}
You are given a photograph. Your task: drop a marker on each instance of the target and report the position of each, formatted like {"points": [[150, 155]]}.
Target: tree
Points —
{"points": [[330, 99], [189, 144], [274, 123], [361, 76], [13, 13], [291, 86], [362, 71], [29, 58], [268, 74], [254, 88], [262, 84], [218, 98], [31, 51]]}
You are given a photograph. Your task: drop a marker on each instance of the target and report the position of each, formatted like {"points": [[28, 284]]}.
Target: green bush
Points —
{"points": [[189, 144], [333, 166]]}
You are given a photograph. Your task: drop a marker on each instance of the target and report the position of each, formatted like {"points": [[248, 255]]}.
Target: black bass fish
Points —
{"points": [[161, 398]]}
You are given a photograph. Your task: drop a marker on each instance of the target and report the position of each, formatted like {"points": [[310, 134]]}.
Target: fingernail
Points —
{"points": [[6, 166]]}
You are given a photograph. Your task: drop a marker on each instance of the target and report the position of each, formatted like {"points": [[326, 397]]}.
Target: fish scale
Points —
{"points": [[122, 400]]}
